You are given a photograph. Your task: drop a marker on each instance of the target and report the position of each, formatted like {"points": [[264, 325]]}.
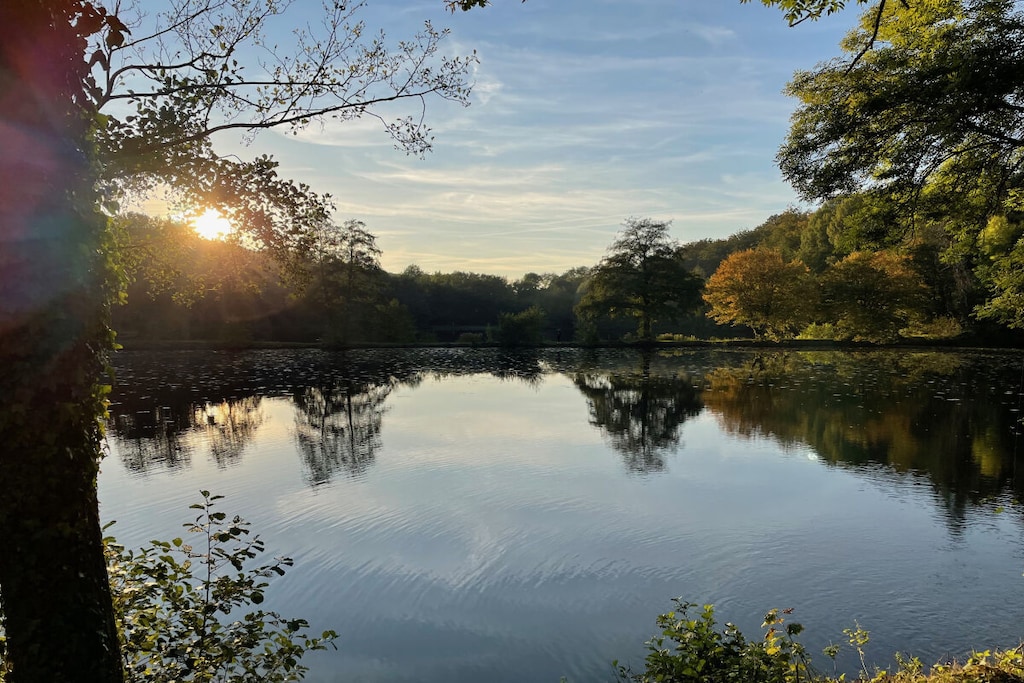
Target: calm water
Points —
{"points": [[470, 515]]}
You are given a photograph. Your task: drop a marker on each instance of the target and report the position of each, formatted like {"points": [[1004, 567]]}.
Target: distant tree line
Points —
{"points": [[333, 290], [846, 271]]}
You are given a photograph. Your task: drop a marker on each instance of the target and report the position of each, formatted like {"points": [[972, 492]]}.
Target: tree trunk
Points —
{"points": [[54, 279], [53, 581], [645, 326]]}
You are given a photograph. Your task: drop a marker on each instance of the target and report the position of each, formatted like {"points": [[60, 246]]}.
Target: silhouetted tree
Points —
{"points": [[640, 278]]}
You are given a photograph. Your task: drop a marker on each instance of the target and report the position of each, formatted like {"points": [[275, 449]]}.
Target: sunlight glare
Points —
{"points": [[211, 225]]}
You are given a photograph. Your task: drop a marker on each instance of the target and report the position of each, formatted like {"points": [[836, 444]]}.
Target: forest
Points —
{"points": [[844, 271]]}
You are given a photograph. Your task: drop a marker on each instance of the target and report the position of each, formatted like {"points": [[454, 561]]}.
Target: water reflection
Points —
{"points": [[952, 419], [337, 427], [228, 426], [149, 439], [639, 411], [934, 415], [488, 510]]}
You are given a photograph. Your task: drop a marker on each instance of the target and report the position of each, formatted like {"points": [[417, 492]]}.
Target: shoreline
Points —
{"points": [[793, 344]]}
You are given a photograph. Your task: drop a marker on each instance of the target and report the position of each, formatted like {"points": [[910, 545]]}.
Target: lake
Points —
{"points": [[470, 514]]}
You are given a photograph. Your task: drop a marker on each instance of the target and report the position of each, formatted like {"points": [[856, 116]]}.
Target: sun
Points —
{"points": [[211, 225]]}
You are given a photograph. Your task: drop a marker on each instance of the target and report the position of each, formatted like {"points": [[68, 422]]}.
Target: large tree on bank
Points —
{"points": [[932, 121], [641, 278], [92, 105]]}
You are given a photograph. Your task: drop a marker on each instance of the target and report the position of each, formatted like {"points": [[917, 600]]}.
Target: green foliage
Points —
{"points": [[782, 232], [921, 135], [177, 607], [342, 279], [935, 95], [556, 294], [873, 296], [176, 604], [392, 323], [456, 299], [825, 331], [159, 114], [797, 11], [693, 649], [1007, 286], [858, 638], [525, 328], [640, 278]]}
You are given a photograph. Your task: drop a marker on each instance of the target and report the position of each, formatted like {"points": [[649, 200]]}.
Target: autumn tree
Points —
{"points": [[873, 296], [94, 104], [640, 278], [759, 289], [931, 123]]}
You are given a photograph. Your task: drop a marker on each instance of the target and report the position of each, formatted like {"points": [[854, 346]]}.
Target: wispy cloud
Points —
{"points": [[584, 112]]}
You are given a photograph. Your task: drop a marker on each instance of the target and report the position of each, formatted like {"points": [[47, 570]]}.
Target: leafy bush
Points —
{"points": [[672, 337], [817, 331], [174, 603], [693, 649], [525, 328]]}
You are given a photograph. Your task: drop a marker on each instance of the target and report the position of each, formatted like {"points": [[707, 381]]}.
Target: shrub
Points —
{"points": [[522, 329], [671, 337], [694, 650], [175, 604], [819, 331]]}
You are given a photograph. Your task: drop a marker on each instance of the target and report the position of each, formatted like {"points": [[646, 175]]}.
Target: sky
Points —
{"points": [[584, 113]]}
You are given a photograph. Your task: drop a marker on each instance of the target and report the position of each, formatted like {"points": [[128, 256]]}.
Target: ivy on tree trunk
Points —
{"points": [[54, 290]]}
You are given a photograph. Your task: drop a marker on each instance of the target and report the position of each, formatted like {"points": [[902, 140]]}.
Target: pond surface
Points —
{"points": [[469, 515]]}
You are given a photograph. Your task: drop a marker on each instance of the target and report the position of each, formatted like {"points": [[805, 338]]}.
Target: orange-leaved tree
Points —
{"points": [[760, 289]]}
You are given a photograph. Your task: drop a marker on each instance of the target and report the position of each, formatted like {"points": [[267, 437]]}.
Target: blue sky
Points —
{"points": [[584, 112]]}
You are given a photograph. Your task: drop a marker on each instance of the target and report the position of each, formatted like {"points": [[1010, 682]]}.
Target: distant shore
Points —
{"points": [[800, 344]]}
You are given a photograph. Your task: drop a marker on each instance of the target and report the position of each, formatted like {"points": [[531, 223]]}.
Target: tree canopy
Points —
{"points": [[795, 11], [97, 102], [873, 296], [641, 278], [929, 125], [178, 77], [941, 94], [759, 289]]}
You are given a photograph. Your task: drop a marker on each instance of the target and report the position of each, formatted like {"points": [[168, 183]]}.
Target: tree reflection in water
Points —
{"points": [[149, 438], [165, 436], [337, 427], [950, 419], [229, 426], [924, 413], [640, 411]]}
